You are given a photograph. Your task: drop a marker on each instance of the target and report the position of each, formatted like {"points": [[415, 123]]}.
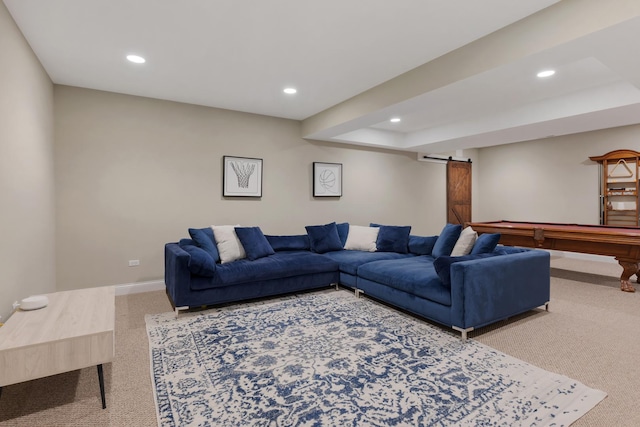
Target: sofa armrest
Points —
{"points": [[177, 276], [486, 290]]}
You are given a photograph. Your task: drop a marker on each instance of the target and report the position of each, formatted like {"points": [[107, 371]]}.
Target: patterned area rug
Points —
{"points": [[331, 359]]}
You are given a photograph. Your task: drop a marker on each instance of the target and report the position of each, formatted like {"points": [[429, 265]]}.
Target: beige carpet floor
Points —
{"points": [[591, 333]]}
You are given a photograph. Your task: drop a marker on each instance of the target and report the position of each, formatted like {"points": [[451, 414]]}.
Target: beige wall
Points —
{"points": [[26, 170], [134, 173], [547, 180]]}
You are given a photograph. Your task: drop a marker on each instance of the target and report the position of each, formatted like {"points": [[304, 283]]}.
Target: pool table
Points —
{"points": [[623, 243]]}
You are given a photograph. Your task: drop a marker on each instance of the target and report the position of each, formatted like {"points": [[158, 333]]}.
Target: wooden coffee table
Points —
{"points": [[74, 331]]}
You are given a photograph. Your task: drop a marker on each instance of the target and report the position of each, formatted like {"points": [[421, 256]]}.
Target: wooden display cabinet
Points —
{"points": [[619, 187]]}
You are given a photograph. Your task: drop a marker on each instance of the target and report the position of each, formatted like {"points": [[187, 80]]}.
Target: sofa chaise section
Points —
{"points": [[481, 291]]}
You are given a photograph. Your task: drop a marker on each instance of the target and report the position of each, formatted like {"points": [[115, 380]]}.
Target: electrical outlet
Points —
{"points": [[134, 262]]}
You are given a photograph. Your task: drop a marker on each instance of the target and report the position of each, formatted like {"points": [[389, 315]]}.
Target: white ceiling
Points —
{"points": [[241, 54]]}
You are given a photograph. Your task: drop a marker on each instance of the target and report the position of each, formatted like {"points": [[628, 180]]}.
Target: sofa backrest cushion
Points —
{"points": [[298, 242], [485, 243], [442, 264], [200, 262], [422, 245], [254, 243], [446, 240], [324, 238], [362, 238], [205, 240], [393, 238]]}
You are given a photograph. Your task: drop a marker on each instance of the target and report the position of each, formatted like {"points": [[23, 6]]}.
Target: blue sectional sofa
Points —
{"points": [[417, 275]]}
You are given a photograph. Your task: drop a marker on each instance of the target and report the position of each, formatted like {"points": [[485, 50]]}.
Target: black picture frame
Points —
{"points": [[241, 177], [327, 179]]}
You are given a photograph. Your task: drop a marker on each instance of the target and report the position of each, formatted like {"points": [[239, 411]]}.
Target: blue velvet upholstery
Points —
{"points": [[486, 290], [254, 243], [280, 265], [200, 262], [485, 243], [324, 238], [404, 300], [343, 232], [298, 242], [442, 265], [392, 238], [482, 290], [204, 238], [187, 242], [420, 245], [446, 240], [415, 275], [349, 261]]}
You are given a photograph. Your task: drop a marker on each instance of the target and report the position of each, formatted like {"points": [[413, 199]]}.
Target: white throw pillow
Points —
{"points": [[465, 242], [228, 244], [362, 238]]}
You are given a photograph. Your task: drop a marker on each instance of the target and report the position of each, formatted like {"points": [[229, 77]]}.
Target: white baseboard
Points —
{"points": [[584, 257], [136, 288]]}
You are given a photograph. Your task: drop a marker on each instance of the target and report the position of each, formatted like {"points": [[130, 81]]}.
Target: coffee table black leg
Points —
{"points": [[101, 379]]}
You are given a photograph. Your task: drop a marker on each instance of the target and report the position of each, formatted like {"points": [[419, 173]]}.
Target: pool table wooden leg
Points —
{"points": [[629, 268]]}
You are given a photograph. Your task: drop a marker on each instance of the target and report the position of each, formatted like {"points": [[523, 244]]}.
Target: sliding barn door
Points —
{"points": [[458, 192]]}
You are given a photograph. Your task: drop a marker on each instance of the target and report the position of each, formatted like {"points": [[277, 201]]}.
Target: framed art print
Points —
{"points": [[241, 177], [327, 179]]}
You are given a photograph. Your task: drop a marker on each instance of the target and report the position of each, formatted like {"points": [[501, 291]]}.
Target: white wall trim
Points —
{"points": [[584, 257], [136, 288]]}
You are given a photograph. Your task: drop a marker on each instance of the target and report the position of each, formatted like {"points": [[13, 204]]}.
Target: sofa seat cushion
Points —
{"points": [[276, 266], [349, 261], [415, 275]]}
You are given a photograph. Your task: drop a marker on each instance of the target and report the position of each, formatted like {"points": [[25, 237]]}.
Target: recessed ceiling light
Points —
{"points": [[395, 120], [137, 59], [546, 73], [290, 90]]}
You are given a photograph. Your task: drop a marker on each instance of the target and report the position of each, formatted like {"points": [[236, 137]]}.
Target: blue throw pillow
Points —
{"points": [[420, 245], [446, 240], [442, 264], [205, 240], [392, 238], [200, 262], [485, 243], [298, 242], [343, 232], [254, 243], [324, 238]]}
